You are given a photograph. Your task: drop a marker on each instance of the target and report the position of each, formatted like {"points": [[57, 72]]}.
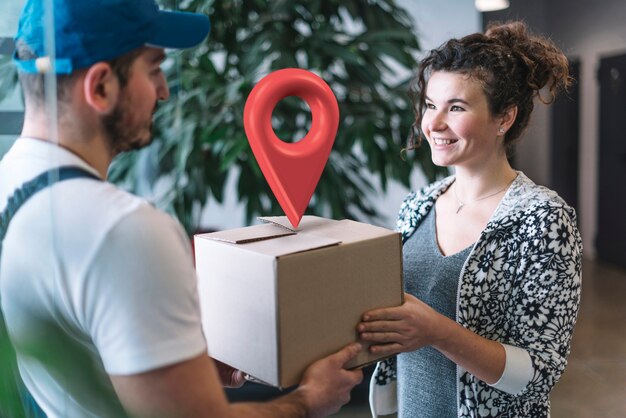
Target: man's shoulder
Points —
{"points": [[109, 210], [94, 203]]}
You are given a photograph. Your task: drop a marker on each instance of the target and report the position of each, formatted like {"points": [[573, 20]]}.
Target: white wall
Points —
{"points": [[436, 22]]}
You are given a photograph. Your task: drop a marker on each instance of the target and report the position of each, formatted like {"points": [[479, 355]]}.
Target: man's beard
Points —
{"points": [[122, 134]]}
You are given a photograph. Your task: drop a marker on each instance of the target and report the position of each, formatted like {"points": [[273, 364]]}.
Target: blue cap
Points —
{"points": [[89, 31]]}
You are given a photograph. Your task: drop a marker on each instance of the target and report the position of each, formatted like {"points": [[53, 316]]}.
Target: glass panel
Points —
{"points": [[5, 143], [27, 241], [9, 127], [48, 238], [10, 11]]}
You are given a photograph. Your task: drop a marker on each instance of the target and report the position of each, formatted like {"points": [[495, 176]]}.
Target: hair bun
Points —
{"points": [[509, 34], [546, 64]]}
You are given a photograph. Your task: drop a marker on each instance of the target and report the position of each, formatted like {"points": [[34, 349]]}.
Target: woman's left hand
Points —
{"points": [[404, 328], [414, 325], [229, 376]]}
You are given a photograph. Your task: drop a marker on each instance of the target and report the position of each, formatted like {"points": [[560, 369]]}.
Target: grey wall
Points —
{"points": [[533, 152], [590, 31], [587, 30]]}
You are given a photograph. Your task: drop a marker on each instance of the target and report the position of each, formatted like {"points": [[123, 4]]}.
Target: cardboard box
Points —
{"points": [[275, 300]]}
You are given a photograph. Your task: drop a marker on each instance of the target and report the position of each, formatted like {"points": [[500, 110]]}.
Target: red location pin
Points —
{"points": [[291, 169]]}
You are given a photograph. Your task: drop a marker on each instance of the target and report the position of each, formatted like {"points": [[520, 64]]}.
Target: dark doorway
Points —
{"points": [[565, 141], [611, 238]]}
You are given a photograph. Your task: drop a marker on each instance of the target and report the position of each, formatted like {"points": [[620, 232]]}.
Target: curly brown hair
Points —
{"points": [[512, 65]]}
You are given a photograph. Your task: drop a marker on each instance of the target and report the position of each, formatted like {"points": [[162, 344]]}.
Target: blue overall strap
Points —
{"points": [[15, 400], [28, 189]]}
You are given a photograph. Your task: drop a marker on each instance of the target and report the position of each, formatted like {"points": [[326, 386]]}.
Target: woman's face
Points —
{"points": [[458, 125]]}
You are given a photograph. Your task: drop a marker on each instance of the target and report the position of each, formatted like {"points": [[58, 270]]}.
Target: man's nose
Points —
{"points": [[163, 90]]}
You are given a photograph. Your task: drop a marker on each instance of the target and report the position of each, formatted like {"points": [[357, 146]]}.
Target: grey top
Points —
{"points": [[526, 260], [427, 384]]}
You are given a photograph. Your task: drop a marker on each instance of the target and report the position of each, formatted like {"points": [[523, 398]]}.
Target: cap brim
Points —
{"points": [[179, 29]]}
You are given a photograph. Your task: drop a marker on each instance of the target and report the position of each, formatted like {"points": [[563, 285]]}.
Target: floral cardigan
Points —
{"points": [[520, 286]]}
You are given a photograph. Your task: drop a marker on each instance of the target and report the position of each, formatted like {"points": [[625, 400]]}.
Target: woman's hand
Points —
{"points": [[229, 376], [407, 327], [414, 325]]}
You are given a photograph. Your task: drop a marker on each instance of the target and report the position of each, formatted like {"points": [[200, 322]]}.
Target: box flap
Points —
{"points": [[351, 231], [276, 239], [307, 223], [248, 234], [345, 230], [290, 244], [281, 221]]}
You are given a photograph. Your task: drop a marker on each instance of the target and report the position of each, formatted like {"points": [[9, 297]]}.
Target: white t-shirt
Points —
{"points": [[93, 282]]}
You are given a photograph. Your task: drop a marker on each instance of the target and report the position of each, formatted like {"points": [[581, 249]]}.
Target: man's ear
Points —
{"points": [[101, 87]]}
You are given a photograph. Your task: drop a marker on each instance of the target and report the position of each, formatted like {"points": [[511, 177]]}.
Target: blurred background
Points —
{"points": [[200, 169]]}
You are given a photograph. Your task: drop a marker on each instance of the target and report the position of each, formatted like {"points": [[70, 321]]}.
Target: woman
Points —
{"points": [[492, 262]]}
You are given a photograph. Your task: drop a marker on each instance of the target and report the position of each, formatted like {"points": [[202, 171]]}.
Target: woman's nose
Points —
{"points": [[436, 123]]}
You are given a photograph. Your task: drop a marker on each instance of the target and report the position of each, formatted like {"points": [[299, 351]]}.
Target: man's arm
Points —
{"points": [[192, 389]]}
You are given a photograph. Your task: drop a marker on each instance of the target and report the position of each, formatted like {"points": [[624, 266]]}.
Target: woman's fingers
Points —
{"points": [[403, 328], [386, 349], [395, 313], [381, 337], [378, 326], [385, 314]]}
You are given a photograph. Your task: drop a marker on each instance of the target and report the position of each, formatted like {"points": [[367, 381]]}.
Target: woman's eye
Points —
{"points": [[456, 109], [430, 106]]}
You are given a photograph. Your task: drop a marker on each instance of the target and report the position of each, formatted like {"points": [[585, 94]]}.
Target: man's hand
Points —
{"points": [[326, 385], [229, 376], [191, 389]]}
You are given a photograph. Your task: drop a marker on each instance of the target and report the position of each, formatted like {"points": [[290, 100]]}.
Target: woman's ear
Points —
{"points": [[101, 87], [507, 119]]}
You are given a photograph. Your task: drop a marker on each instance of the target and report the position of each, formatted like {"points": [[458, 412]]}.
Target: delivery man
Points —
{"points": [[98, 288]]}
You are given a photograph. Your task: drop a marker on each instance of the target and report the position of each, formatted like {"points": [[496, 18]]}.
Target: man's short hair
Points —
{"points": [[33, 85]]}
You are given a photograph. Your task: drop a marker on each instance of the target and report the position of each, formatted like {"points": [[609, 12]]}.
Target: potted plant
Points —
{"points": [[365, 51]]}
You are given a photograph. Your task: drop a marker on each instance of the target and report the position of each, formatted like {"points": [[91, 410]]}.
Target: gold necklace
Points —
{"points": [[462, 204]]}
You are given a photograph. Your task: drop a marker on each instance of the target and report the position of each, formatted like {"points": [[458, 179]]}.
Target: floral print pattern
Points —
{"points": [[520, 286]]}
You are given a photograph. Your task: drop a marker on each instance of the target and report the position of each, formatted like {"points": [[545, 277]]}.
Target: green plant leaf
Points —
{"points": [[248, 39]]}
